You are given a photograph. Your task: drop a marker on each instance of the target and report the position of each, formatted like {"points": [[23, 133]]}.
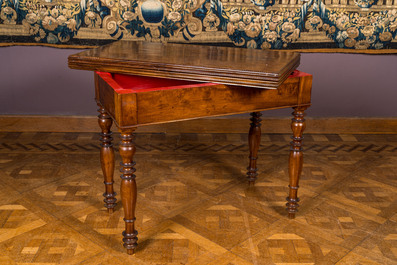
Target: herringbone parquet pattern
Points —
{"points": [[194, 205]]}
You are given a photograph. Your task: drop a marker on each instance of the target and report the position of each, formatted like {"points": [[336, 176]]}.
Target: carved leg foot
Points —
{"points": [[295, 160], [107, 158], [128, 189], [254, 140]]}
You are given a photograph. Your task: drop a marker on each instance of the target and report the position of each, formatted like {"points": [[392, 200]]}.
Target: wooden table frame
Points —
{"points": [[123, 101]]}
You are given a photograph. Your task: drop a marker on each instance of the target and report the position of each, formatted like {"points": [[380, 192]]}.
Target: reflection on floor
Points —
{"points": [[194, 205]]}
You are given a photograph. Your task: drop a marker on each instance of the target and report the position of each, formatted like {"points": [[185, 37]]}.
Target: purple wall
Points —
{"points": [[36, 80]]}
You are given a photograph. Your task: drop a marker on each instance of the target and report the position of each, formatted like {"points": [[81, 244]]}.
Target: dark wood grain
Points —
{"points": [[128, 189], [224, 65], [107, 158], [298, 125], [254, 140]]}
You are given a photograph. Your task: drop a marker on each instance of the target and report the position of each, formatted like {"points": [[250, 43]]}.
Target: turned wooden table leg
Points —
{"points": [[107, 158], [128, 189], [295, 160], [254, 140]]}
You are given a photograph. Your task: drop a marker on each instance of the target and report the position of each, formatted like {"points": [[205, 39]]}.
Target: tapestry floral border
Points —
{"points": [[356, 26]]}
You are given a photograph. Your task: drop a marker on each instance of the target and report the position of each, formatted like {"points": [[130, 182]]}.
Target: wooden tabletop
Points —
{"points": [[224, 65]]}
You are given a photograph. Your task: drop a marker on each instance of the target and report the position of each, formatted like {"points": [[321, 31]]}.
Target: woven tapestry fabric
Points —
{"points": [[367, 26]]}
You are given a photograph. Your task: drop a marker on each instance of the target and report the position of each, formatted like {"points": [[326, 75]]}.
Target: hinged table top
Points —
{"points": [[224, 65]]}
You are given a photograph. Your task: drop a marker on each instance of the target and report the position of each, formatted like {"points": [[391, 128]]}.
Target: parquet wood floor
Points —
{"points": [[194, 205]]}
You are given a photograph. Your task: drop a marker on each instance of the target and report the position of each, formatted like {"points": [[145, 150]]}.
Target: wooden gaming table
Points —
{"points": [[141, 83]]}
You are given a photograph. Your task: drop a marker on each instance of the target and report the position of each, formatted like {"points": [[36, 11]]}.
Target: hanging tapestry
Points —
{"points": [[329, 25]]}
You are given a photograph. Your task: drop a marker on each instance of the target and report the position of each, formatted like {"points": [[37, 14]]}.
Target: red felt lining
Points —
{"points": [[297, 73], [143, 82], [124, 84]]}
